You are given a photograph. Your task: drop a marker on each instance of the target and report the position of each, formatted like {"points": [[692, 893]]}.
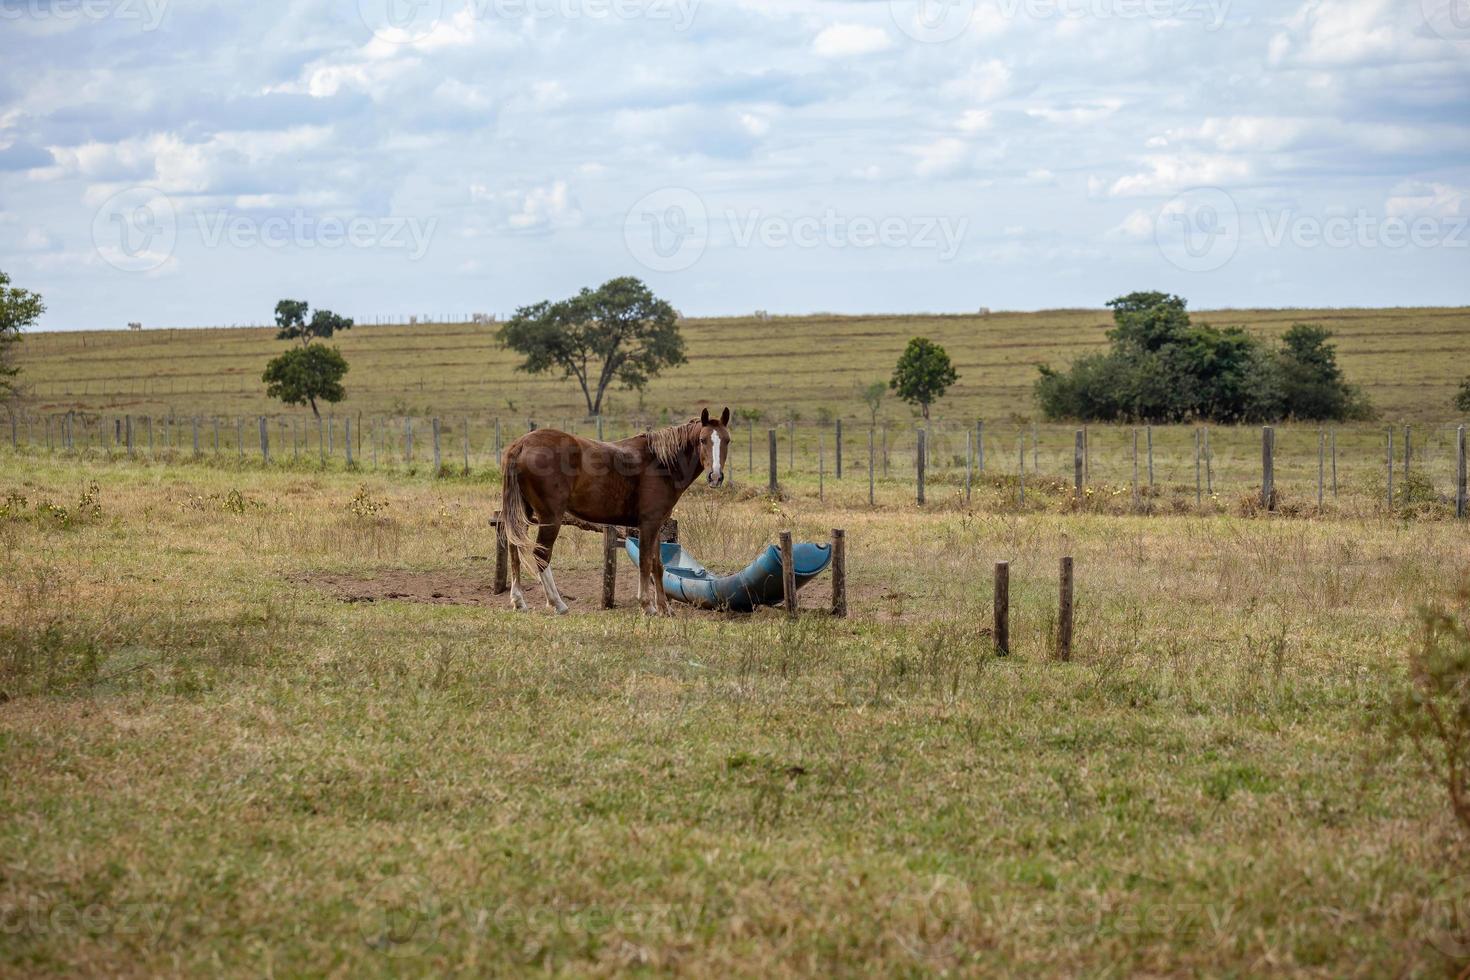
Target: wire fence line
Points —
{"points": [[1397, 464]]}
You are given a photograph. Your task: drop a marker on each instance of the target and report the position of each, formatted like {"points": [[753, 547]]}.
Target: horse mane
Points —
{"points": [[667, 442]]}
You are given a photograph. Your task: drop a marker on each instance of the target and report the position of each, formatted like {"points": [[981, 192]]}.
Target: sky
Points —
{"points": [[190, 162]]}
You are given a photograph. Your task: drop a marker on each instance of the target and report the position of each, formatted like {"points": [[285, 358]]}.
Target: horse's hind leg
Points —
{"points": [[545, 541], [517, 597]]}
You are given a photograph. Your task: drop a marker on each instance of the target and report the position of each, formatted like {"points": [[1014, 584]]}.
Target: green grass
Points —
{"points": [[211, 765], [1409, 361]]}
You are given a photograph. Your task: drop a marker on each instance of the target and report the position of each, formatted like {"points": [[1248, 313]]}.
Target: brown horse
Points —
{"points": [[547, 475]]}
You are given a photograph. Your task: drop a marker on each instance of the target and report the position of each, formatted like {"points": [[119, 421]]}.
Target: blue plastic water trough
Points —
{"points": [[686, 580]]}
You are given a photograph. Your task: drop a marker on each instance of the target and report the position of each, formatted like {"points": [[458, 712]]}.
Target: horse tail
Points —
{"points": [[513, 516]]}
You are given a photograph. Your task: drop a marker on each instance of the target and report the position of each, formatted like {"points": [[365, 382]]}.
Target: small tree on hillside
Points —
{"points": [[19, 310], [312, 372], [923, 374], [620, 332], [872, 396], [1462, 397]]}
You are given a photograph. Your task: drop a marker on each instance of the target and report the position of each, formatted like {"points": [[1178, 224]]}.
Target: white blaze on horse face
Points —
{"points": [[716, 472]]}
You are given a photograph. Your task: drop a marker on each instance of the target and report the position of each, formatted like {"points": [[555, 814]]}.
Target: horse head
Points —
{"points": [[714, 445]]}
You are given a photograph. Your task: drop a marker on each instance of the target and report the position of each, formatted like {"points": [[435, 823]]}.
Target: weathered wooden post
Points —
{"points": [[609, 564], [502, 558], [1322, 466], [788, 574], [1079, 464], [1135, 466], [1021, 473], [321, 439], [920, 457], [839, 573], [872, 495], [980, 445], [1001, 628], [837, 439], [265, 442], [821, 465], [773, 487], [969, 463], [1150, 431], [1390, 467], [1333, 440], [408, 441], [434, 424], [347, 438], [1460, 473], [1064, 612], [1268, 468]]}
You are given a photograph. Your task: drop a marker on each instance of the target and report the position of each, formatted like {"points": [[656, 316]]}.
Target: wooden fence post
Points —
{"points": [[609, 564], [1150, 431], [1322, 466], [1268, 468], [1460, 473], [980, 445], [872, 496], [1021, 473], [969, 463], [920, 458], [265, 442], [788, 574], [1001, 629], [321, 439], [1064, 612], [1390, 467], [502, 558], [195, 424], [1079, 463], [1135, 466], [408, 441], [839, 573], [434, 424], [773, 488], [347, 438], [821, 465], [837, 437]]}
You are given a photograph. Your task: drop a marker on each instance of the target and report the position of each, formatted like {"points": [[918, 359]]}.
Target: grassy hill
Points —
{"points": [[1410, 361]]}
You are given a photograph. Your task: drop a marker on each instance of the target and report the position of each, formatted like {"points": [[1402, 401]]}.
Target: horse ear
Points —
{"points": [[704, 417], [725, 416]]}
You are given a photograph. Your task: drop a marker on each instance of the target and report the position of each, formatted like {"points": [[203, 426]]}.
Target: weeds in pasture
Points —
{"points": [[1433, 711]]}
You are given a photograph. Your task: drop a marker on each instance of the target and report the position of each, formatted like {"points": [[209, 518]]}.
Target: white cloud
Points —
{"points": [[1137, 227], [1169, 174], [984, 82], [848, 40], [976, 120], [1076, 115], [1420, 200], [940, 158]]}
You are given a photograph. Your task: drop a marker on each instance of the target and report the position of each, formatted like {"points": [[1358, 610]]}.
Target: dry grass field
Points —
{"points": [[1410, 362], [270, 721]]}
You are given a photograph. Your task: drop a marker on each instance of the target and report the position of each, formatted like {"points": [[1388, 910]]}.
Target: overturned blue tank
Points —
{"points": [[759, 584]]}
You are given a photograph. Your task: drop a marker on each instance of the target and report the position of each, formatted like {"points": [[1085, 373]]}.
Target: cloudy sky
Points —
{"points": [[183, 162]]}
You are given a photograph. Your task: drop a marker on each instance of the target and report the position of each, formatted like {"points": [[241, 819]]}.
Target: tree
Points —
{"points": [[19, 310], [293, 325], [923, 374], [872, 395], [620, 332], [312, 371], [1163, 368], [302, 375], [1462, 397]]}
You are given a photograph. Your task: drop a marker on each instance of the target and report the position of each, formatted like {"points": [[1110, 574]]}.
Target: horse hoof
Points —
{"points": [[563, 610]]}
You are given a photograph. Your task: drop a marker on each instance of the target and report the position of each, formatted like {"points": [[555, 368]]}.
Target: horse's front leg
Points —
{"points": [[650, 570]]}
